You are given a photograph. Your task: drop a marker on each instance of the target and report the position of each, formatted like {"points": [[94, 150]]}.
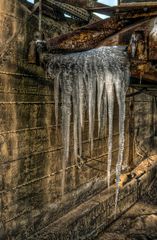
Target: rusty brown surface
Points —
{"points": [[91, 35], [83, 3], [123, 8], [116, 31], [79, 3], [153, 48], [143, 64]]}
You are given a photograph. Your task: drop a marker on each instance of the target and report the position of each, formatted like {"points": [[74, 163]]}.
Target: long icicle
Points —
{"points": [[75, 124], [66, 87], [120, 86], [56, 96], [110, 101]]}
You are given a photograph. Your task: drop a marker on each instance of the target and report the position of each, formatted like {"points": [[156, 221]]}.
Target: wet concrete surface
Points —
{"points": [[139, 222]]}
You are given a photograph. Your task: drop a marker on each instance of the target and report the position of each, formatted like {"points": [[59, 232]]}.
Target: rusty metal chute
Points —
{"points": [[127, 21], [91, 35], [119, 29]]}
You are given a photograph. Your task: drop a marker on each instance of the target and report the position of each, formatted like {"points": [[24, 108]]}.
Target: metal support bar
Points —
{"points": [[40, 16]]}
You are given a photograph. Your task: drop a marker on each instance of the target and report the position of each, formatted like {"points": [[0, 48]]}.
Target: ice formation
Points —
{"points": [[153, 33], [85, 79]]}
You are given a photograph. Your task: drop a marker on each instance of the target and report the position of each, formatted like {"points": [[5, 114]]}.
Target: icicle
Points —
{"points": [[91, 90], [120, 86], [75, 124], [100, 99], [56, 96], [153, 32], [110, 100], [79, 95], [66, 89], [80, 109], [83, 77]]}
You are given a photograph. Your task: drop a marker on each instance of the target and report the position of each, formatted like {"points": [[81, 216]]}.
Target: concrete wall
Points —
{"points": [[31, 150]]}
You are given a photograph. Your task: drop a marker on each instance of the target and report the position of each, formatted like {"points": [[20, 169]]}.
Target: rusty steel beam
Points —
{"points": [[82, 3], [54, 13], [124, 8], [90, 36], [107, 10], [78, 3], [74, 11]]}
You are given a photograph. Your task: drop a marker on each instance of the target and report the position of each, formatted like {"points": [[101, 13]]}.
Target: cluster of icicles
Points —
{"points": [[85, 79]]}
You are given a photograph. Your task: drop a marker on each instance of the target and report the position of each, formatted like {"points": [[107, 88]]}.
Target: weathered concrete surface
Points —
{"points": [[140, 222], [30, 148], [91, 217]]}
